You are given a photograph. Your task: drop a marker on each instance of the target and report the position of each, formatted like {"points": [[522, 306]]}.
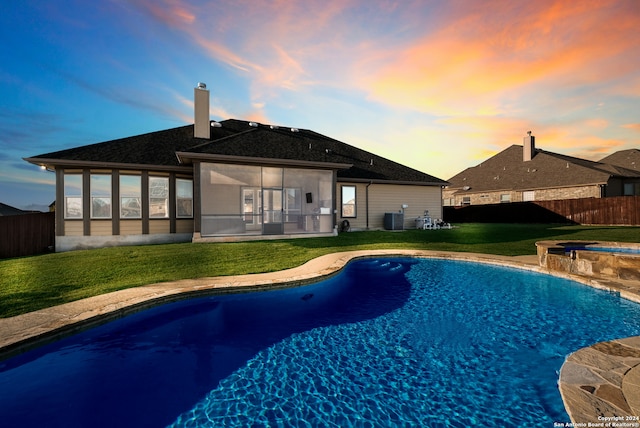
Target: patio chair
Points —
{"points": [[428, 224]]}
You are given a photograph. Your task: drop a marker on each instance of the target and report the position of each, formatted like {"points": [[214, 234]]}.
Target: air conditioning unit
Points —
{"points": [[394, 221]]}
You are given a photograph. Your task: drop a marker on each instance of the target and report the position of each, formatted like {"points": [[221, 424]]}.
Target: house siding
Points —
{"points": [[184, 226], [131, 227], [101, 228], [73, 228], [159, 227], [386, 198]]}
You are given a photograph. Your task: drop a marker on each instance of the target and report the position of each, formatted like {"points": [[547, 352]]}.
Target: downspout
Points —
{"points": [[367, 202]]}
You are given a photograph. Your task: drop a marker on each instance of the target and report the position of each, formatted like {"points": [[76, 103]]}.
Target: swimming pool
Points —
{"points": [[386, 342]]}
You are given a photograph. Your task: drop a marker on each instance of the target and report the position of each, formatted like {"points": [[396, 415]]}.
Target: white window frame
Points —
{"points": [[72, 199], [102, 195], [158, 194], [127, 198]]}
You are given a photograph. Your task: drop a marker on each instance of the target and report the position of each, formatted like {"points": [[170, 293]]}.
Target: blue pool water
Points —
{"points": [[388, 342], [623, 250]]}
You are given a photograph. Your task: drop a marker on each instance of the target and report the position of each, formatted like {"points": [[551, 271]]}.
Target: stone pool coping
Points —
{"points": [[596, 382]]}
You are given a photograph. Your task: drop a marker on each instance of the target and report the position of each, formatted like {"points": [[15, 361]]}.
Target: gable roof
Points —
{"points": [[240, 141], [629, 159], [9, 210], [508, 171]]}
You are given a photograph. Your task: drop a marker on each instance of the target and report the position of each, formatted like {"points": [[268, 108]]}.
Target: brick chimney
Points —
{"points": [[201, 125], [528, 147]]}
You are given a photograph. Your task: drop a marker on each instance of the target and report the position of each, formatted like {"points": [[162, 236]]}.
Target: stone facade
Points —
{"points": [[457, 197]]}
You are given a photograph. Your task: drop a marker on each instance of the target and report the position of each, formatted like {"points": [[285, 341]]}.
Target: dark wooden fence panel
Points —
{"points": [[26, 234], [621, 210]]}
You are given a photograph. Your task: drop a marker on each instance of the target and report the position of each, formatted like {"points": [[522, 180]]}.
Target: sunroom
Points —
{"points": [[264, 200]]}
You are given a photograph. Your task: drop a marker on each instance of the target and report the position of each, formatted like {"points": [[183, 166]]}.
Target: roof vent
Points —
{"points": [[466, 188], [216, 124], [202, 85], [295, 130], [274, 127], [371, 162], [254, 124]]}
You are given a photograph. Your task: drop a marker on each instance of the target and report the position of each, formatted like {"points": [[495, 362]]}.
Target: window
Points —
{"points": [[100, 186], [505, 197], [348, 201], [184, 198], [631, 189], [130, 196], [528, 196], [466, 200], [158, 197], [73, 196]]}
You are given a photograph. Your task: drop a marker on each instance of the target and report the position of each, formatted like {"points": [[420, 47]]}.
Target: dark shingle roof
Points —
{"points": [[9, 210], [238, 138], [508, 171], [629, 159]]}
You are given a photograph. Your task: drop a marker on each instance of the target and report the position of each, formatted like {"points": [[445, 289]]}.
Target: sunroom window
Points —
{"points": [[72, 196], [100, 196], [130, 196], [158, 197]]}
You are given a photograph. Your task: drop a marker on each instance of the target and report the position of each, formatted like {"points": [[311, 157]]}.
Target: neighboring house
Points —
{"points": [[525, 173], [227, 181], [629, 159], [9, 210]]}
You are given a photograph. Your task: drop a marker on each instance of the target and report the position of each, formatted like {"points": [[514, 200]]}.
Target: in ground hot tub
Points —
{"points": [[619, 260]]}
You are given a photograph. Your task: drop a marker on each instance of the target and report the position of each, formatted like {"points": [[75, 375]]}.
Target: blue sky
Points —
{"points": [[435, 85]]}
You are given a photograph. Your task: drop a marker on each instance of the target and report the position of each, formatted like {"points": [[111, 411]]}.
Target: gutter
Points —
{"points": [[367, 203]]}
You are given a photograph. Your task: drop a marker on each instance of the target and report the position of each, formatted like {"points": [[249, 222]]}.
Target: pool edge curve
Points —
{"points": [[596, 382]]}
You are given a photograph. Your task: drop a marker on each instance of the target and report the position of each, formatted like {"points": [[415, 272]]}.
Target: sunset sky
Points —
{"points": [[436, 85]]}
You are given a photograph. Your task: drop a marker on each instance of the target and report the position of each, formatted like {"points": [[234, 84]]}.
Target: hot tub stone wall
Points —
{"points": [[553, 256]]}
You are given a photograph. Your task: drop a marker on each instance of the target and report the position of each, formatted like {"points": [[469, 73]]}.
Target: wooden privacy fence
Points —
{"points": [[26, 234], [621, 210]]}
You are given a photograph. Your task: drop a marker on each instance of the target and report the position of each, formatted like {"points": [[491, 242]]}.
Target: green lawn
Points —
{"points": [[31, 283]]}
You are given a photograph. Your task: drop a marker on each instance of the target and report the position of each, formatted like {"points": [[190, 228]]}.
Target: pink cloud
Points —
{"points": [[486, 56]]}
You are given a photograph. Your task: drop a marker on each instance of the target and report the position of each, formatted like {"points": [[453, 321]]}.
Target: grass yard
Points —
{"points": [[31, 283]]}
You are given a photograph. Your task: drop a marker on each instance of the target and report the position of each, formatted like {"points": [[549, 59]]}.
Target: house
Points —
{"points": [[526, 173], [9, 210], [227, 181]]}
